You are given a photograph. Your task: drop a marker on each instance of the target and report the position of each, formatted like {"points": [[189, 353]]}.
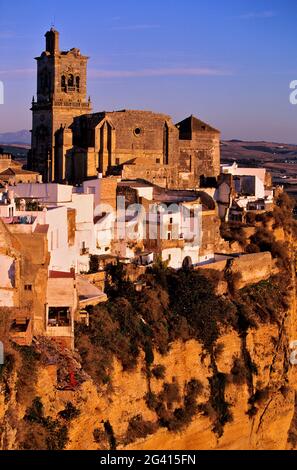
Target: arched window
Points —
{"points": [[77, 82], [63, 83], [71, 81]]}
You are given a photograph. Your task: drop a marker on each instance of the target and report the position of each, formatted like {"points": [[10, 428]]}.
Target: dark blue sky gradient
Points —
{"points": [[228, 62]]}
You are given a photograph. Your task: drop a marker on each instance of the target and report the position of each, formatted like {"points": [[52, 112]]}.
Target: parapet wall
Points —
{"points": [[246, 269], [252, 268]]}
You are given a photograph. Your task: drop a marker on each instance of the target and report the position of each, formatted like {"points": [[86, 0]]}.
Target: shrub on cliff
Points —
{"points": [[165, 404], [159, 371], [193, 297], [70, 412], [131, 322], [218, 403], [238, 371], [50, 434], [264, 302], [139, 428], [283, 212], [265, 241], [116, 283], [27, 373], [233, 232]]}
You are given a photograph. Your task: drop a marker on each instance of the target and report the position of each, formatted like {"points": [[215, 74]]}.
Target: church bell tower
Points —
{"points": [[61, 96]]}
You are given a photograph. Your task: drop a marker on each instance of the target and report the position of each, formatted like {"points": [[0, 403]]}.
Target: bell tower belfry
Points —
{"points": [[61, 96]]}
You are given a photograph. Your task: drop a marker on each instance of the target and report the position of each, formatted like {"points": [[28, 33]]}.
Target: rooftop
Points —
{"points": [[16, 171], [136, 184], [61, 275]]}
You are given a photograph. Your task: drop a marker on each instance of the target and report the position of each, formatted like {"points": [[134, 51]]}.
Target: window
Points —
{"points": [[59, 316], [137, 131], [117, 160], [171, 220], [77, 83], [70, 81], [169, 236], [28, 287], [158, 161], [84, 250], [63, 83], [169, 257]]}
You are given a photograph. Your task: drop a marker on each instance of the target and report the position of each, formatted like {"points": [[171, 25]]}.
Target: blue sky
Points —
{"points": [[228, 62]]}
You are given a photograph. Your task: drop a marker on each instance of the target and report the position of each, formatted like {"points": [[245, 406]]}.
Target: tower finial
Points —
{"points": [[53, 22]]}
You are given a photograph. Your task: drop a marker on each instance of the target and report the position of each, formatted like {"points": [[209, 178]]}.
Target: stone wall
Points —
{"points": [[245, 269], [252, 268]]}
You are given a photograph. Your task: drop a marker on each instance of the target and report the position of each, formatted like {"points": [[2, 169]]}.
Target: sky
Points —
{"points": [[229, 62]]}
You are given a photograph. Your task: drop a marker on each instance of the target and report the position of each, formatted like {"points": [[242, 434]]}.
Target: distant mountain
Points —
{"points": [[20, 137]]}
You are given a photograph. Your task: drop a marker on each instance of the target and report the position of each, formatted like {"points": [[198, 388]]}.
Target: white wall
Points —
{"points": [[175, 255], [146, 192], [93, 187], [63, 257], [84, 206], [6, 298], [104, 234], [236, 171], [7, 210], [50, 193], [7, 272], [260, 188], [7, 281]]}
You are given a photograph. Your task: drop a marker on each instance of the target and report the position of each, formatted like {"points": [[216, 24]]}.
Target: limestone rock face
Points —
{"points": [[125, 397]]}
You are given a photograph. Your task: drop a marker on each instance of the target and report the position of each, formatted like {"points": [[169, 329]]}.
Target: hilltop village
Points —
{"points": [[112, 187]]}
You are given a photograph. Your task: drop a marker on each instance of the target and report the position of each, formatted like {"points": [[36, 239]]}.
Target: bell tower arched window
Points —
{"points": [[63, 83], [70, 81], [77, 82]]}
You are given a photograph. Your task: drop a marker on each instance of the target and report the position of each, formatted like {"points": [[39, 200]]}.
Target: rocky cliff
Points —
{"points": [[175, 367]]}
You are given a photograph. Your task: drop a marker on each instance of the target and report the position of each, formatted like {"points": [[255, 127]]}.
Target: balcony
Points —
{"points": [[21, 331], [59, 322]]}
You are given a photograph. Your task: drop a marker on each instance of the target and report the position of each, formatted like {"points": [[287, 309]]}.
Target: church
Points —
{"points": [[71, 144]]}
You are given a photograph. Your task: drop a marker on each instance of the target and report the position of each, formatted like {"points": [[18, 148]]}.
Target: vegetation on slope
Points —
{"points": [[174, 306]]}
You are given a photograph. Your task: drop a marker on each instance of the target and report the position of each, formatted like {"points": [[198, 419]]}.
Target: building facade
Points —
{"points": [[61, 95], [70, 144]]}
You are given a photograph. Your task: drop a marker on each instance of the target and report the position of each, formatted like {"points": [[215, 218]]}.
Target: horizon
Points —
{"points": [[138, 60]]}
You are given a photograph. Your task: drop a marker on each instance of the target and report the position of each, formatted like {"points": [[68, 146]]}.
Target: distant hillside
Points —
{"points": [[18, 153], [257, 152], [17, 138]]}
